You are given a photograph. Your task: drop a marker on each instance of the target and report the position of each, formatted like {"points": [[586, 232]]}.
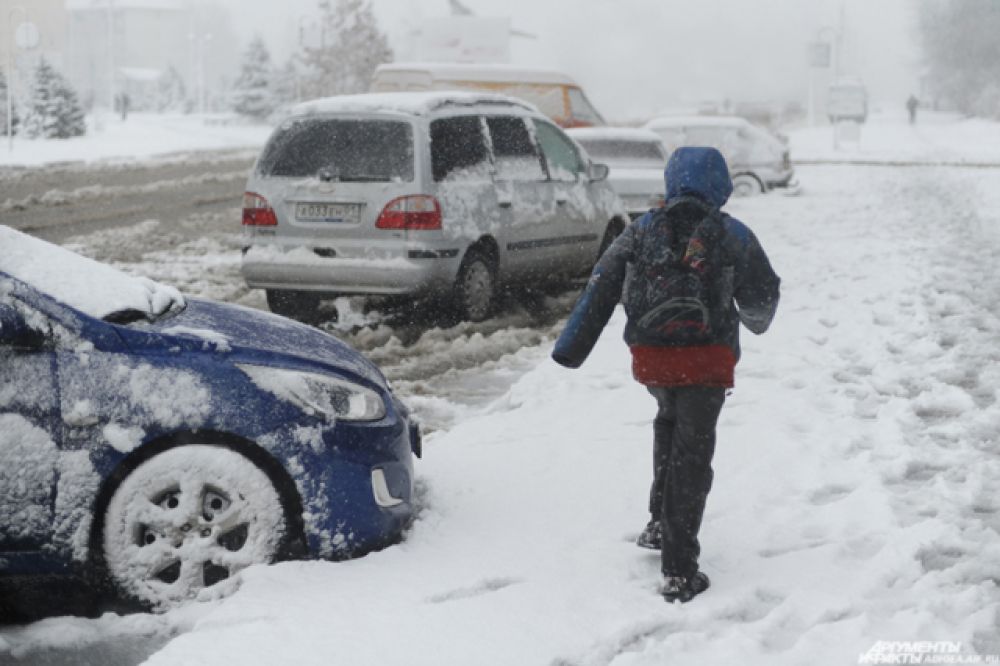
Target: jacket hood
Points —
{"points": [[700, 172]]}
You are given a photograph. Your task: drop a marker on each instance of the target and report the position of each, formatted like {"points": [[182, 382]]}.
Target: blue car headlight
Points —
{"points": [[318, 395]]}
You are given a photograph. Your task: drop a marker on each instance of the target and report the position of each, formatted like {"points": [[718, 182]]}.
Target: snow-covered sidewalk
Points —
{"points": [[857, 479]]}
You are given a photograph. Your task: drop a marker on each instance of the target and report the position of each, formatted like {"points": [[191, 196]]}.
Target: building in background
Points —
{"points": [[124, 47], [32, 29]]}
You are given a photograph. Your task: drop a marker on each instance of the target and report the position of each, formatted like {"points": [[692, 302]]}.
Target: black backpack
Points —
{"points": [[676, 291]]}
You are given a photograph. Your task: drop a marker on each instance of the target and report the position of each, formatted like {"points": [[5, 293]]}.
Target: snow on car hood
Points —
{"points": [[93, 288], [233, 328]]}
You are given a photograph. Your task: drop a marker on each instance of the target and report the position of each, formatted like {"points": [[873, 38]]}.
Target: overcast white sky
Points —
{"points": [[638, 56]]}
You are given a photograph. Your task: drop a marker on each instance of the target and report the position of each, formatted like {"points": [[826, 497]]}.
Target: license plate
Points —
{"points": [[328, 212]]}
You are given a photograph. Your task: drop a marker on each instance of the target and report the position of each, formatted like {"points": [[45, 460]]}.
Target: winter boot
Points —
{"points": [[651, 536], [679, 588]]}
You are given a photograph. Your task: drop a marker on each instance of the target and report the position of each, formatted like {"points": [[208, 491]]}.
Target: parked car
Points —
{"points": [[758, 160], [450, 195], [164, 443], [555, 94], [636, 158]]}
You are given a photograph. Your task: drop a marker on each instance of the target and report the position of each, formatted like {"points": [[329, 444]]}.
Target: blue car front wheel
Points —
{"points": [[184, 522]]}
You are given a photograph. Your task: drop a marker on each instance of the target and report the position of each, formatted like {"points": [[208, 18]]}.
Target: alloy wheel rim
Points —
{"points": [[187, 520]]}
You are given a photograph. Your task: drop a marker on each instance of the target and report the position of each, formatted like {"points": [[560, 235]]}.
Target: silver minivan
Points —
{"points": [[449, 195]]}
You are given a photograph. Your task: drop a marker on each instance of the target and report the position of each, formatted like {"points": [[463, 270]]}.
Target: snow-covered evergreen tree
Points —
{"points": [[53, 111], [252, 93], [285, 84], [352, 47], [3, 108], [172, 95]]}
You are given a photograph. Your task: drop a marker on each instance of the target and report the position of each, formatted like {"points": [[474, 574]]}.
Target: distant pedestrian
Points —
{"points": [[123, 102], [691, 274], [911, 105]]}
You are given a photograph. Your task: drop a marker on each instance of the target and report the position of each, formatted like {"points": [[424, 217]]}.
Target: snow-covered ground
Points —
{"points": [[887, 137], [140, 136], [857, 491]]}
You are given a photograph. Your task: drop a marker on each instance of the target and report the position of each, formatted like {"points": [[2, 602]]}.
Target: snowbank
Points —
{"points": [[141, 136]]}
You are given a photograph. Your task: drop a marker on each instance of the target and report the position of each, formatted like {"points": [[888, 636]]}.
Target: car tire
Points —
{"points": [[475, 287], [185, 521], [746, 185], [299, 305]]}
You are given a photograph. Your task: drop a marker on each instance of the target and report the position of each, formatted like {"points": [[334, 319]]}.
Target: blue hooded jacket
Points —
{"points": [[698, 172], [694, 177]]}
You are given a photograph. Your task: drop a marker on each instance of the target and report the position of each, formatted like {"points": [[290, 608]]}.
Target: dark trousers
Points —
{"points": [[684, 443]]}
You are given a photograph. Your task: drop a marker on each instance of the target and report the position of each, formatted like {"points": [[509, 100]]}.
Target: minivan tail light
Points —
{"points": [[257, 212], [414, 212]]}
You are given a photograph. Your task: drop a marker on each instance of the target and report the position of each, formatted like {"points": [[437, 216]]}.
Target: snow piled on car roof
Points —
{"points": [[412, 103], [93, 288], [613, 133]]}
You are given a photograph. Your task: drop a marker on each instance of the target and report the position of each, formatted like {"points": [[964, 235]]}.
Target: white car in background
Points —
{"points": [[758, 160], [636, 157]]}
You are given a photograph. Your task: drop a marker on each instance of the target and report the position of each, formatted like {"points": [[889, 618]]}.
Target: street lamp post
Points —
{"points": [[112, 83], [10, 72], [198, 42]]}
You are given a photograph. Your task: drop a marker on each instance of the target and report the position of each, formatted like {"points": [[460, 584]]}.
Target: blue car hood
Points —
{"points": [[248, 332]]}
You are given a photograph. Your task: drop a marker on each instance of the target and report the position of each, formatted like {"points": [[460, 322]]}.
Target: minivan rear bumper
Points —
{"points": [[413, 270]]}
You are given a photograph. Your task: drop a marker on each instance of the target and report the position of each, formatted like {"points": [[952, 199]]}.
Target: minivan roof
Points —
{"points": [[410, 103], [497, 73]]}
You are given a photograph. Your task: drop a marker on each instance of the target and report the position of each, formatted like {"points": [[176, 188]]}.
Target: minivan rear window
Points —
{"points": [[352, 150]]}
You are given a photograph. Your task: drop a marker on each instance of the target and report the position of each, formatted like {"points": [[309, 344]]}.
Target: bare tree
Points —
{"points": [[962, 53], [351, 47]]}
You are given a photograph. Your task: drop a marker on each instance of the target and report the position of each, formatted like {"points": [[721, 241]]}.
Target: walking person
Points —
{"points": [[688, 275], [911, 105]]}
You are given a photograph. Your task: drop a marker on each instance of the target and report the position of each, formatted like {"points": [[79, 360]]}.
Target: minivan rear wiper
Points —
{"points": [[328, 176], [364, 178]]}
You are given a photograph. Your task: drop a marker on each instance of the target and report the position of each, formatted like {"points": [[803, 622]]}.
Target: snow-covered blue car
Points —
{"points": [[163, 443]]}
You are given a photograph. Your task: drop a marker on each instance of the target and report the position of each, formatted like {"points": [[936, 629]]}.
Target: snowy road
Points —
{"points": [[62, 200], [857, 494]]}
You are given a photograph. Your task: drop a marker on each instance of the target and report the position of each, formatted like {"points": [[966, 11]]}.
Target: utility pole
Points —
{"points": [[112, 93]]}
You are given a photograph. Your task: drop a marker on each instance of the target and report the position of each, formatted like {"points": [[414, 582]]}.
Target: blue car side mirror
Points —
{"points": [[15, 331]]}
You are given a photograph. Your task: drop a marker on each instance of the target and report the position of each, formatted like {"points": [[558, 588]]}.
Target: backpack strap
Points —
{"points": [[704, 242]]}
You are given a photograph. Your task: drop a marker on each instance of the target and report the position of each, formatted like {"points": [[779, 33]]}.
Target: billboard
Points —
{"points": [[465, 39]]}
